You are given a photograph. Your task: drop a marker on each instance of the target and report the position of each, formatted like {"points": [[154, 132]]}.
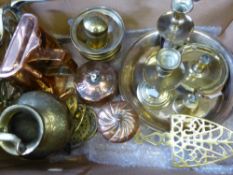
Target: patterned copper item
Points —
{"points": [[96, 82], [118, 122]]}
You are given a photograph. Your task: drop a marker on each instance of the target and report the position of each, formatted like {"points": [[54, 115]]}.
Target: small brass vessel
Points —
{"points": [[97, 33], [40, 121]]}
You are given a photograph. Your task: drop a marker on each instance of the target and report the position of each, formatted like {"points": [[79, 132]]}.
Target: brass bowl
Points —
{"points": [[131, 75]]}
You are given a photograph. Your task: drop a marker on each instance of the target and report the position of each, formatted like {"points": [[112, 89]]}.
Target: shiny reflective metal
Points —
{"points": [[18, 50], [193, 104], [96, 82], [206, 69], [151, 98], [14, 140], [40, 121], [96, 31], [1, 25], [105, 42], [118, 122], [194, 141], [18, 3], [162, 68], [85, 125], [33, 56], [220, 104], [175, 27], [182, 6]]}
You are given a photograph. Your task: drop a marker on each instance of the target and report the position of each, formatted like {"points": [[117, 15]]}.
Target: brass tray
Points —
{"points": [[131, 75]]}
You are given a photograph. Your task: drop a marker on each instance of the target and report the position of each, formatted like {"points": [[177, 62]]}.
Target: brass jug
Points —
{"points": [[35, 126]]}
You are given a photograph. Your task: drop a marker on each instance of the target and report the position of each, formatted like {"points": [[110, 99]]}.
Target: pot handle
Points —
{"points": [[16, 141]]}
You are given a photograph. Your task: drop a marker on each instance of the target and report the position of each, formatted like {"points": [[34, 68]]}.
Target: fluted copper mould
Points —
{"points": [[30, 55], [118, 122], [96, 82], [41, 128], [97, 33]]}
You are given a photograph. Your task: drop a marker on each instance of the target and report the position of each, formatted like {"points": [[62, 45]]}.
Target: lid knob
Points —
{"points": [[96, 31]]}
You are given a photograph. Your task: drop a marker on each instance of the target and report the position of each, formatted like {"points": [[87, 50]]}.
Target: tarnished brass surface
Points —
{"points": [[42, 122], [85, 125], [107, 42]]}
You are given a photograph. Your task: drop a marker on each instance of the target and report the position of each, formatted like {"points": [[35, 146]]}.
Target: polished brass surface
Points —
{"points": [[96, 31], [216, 108], [206, 69], [43, 128], [194, 141], [118, 122], [175, 27], [107, 43], [193, 104], [162, 68], [96, 82], [151, 98]]}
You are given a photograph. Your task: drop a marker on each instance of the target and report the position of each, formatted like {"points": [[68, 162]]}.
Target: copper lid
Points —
{"points": [[96, 81], [118, 122]]}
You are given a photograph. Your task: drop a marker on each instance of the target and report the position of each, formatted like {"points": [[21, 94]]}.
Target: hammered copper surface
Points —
{"points": [[118, 122], [96, 82]]}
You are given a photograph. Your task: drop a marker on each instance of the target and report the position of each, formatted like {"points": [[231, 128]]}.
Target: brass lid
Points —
{"points": [[95, 25], [206, 69], [97, 33]]}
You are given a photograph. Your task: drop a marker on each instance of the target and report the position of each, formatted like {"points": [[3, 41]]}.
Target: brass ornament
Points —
{"points": [[85, 125], [194, 141]]}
